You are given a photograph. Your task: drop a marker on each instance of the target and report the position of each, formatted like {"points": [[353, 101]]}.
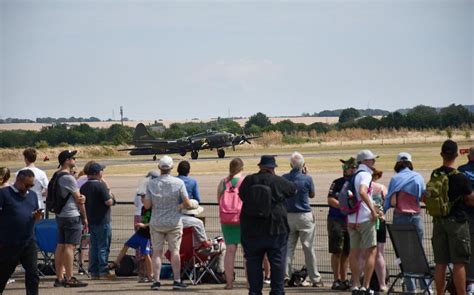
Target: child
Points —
{"points": [[139, 240]]}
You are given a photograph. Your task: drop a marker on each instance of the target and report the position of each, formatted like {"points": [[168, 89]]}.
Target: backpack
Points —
{"points": [[437, 199], [127, 267], [259, 201], [54, 201], [230, 203], [348, 201]]}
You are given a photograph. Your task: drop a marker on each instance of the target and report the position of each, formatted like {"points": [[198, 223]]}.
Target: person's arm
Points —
{"points": [[80, 201], [312, 190], [364, 195], [333, 202], [108, 197], [186, 204], [196, 194], [220, 191]]}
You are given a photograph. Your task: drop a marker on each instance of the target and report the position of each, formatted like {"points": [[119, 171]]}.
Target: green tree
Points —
{"points": [[422, 117], [368, 123], [349, 114], [455, 115], [259, 119], [286, 126]]}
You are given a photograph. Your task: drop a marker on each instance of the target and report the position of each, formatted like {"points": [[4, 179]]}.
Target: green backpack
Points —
{"points": [[437, 199]]}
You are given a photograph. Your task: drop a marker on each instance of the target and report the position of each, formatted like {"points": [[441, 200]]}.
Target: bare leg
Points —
{"points": [[354, 262], [440, 278], [175, 265], [380, 265], [336, 265], [68, 259], [459, 276], [157, 264], [121, 255], [148, 268], [58, 262], [229, 260], [266, 267], [343, 267], [370, 254]]}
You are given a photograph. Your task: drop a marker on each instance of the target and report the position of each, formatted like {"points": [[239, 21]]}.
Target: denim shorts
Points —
{"points": [[69, 230]]}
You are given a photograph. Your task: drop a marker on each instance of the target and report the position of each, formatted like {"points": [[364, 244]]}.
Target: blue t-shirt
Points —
{"points": [[468, 170], [191, 187], [16, 216], [299, 203]]}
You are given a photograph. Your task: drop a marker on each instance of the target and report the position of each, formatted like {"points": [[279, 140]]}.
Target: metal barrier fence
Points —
{"points": [[122, 225]]}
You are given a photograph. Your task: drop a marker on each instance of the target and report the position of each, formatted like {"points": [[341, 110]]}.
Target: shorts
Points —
{"points": [[172, 235], [69, 230], [451, 241], [382, 232], [362, 235], [138, 241], [338, 236]]}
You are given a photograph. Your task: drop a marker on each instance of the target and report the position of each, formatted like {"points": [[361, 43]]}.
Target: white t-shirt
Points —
{"points": [[362, 178], [41, 183], [138, 205]]}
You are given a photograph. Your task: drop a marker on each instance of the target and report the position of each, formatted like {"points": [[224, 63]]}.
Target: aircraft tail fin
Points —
{"points": [[141, 133]]}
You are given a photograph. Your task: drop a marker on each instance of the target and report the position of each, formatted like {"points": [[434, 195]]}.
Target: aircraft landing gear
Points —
{"points": [[194, 155], [182, 154], [221, 153], [154, 158]]}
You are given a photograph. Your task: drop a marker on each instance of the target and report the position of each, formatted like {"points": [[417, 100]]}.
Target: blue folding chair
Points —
{"points": [[46, 239]]}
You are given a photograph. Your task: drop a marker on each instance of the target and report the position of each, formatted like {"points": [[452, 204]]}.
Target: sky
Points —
{"points": [[204, 59]]}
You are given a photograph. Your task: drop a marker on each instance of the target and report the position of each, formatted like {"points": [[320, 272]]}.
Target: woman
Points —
{"points": [[404, 194], [379, 192], [4, 176], [231, 232]]}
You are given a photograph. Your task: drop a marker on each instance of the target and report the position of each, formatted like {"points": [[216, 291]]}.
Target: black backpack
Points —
{"points": [[128, 267], [259, 201], [54, 201]]}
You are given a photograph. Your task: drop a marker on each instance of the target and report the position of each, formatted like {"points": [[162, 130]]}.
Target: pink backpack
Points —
{"points": [[230, 204]]}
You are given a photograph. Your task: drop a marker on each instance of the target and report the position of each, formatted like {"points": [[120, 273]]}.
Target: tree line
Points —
{"points": [[419, 118]]}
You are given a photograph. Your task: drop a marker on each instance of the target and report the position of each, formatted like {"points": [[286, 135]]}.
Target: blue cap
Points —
{"points": [[267, 161], [95, 168]]}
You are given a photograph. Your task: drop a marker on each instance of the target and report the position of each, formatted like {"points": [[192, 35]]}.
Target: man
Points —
{"points": [[191, 184], [451, 238], [18, 214], [98, 203], [164, 195], [268, 234], [41, 180], [301, 219], [69, 220], [468, 170], [338, 235], [362, 224]]}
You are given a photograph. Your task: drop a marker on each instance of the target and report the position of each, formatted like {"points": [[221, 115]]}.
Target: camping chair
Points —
{"points": [[195, 265], [46, 239], [410, 254]]}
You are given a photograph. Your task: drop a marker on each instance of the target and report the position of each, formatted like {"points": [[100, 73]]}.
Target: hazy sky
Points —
{"points": [[176, 59]]}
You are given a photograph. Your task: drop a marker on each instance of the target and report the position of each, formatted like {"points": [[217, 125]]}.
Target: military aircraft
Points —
{"points": [[145, 144]]}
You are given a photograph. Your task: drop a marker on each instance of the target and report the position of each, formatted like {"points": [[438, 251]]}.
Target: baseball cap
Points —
{"points": [[449, 147], [267, 161], [95, 168], [403, 157], [366, 155], [166, 162], [65, 155], [349, 163]]}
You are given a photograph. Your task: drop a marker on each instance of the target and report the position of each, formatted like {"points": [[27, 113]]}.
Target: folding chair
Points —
{"points": [[410, 254], [46, 239], [195, 265]]}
